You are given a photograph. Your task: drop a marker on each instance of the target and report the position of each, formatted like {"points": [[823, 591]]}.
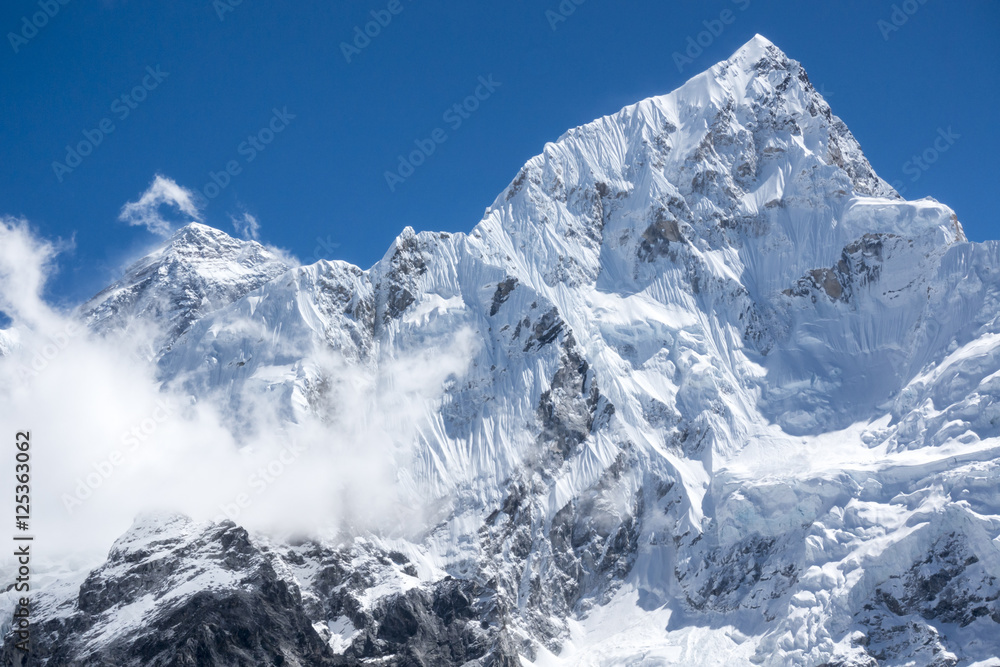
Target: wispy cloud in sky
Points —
{"points": [[246, 225], [148, 210]]}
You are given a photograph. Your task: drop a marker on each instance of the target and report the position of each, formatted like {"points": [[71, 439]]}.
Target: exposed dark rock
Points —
{"points": [[665, 229], [948, 586], [453, 623], [545, 330], [256, 619], [747, 574], [504, 288], [567, 409], [860, 266], [406, 264]]}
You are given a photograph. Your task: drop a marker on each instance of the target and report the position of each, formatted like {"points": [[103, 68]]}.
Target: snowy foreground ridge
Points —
{"points": [[726, 399]]}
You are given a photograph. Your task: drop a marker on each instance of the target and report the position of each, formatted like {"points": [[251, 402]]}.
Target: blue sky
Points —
{"points": [[201, 77]]}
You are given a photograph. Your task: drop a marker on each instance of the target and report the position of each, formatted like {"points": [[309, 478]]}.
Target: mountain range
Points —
{"points": [[711, 393]]}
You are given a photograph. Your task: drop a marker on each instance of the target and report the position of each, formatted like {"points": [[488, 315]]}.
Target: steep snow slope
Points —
{"points": [[732, 401]]}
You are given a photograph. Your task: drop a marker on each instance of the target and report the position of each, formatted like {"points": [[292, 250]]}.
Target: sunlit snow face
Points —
{"points": [[110, 440]]}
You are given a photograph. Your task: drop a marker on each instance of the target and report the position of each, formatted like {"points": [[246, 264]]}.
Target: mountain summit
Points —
{"points": [[731, 400], [198, 270]]}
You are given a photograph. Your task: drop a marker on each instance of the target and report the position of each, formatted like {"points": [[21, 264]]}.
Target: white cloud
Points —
{"points": [[112, 440], [246, 225], [25, 264], [148, 210]]}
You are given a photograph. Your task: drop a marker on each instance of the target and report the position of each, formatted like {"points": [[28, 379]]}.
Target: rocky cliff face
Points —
{"points": [[732, 401]]}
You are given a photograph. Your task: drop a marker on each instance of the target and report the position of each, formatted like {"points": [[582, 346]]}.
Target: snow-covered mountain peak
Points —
{"points": [[746, 159], [195, 237], [759, 55], [198, 270], [757, 45], [203, 246]]}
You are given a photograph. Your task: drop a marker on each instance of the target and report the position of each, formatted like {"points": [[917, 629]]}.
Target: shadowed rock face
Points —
{"points": [[504, 288], [454, 623], [133, 610], [948, 586], [566, 411], [176, 593], [403, 270], [264, 626], [664, 230]]}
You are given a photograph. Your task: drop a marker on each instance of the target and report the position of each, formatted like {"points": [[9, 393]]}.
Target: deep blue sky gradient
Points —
{"points": [[322, 179]]}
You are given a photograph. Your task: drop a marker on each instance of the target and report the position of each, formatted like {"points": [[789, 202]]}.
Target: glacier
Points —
{"points": [[719, 396]]}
